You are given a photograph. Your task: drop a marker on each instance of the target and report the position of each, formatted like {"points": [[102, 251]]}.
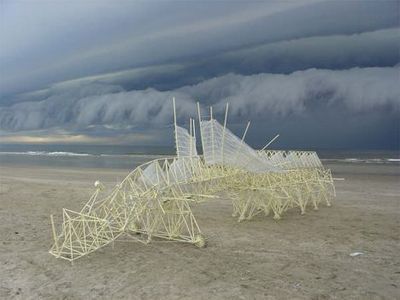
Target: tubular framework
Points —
{"points": [[154, 201]]}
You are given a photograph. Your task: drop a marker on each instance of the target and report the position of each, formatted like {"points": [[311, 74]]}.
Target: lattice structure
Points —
{"points": [[267, 180], [278, 192], [290, 160], [154, 201]]}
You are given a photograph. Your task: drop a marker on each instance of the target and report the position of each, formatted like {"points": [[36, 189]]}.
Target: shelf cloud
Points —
{"points": [[255, 96]]}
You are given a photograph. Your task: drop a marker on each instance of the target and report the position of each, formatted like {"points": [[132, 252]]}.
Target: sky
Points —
{"points": [[322, 74]]}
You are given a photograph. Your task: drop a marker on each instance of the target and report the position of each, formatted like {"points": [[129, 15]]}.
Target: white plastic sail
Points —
{"points": [[221, 146], [185, 143]]}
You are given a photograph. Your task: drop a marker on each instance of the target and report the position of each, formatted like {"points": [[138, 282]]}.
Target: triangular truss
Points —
{"points": [[154, 201]]}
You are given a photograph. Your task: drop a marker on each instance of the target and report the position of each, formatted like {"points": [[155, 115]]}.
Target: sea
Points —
{"points": [[129, 157]]}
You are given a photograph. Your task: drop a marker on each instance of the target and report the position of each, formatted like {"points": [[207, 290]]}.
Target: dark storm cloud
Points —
{"points": [[56, 41], [256, 96], [377, 48]]}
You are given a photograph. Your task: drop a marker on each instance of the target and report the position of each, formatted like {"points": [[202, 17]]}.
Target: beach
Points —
{"points": [[299, 257]]}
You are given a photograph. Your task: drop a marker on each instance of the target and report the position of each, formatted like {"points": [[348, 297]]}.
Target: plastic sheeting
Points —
{"points": [[221, 146], [185, 143]]}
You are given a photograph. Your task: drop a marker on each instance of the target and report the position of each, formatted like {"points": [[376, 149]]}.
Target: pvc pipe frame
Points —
{"points": [[154, 200]]}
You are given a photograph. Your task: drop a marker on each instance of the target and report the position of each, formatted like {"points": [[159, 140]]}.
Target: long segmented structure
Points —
{"points": [[154, 201]]}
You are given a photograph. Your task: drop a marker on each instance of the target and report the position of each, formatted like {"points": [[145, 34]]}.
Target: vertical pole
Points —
{"points": [[201, 130], [223, 132], [212, 134], [190, 138], [175, 132], [198, 110], [194, 136]]}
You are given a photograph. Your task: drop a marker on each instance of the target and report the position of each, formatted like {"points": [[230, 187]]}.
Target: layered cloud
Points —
{"points": [[44, 44], [355, 90], [377, 48]]}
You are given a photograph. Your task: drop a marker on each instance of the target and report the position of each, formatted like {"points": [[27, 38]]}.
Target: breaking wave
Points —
{"points": [[45, 153], [77, 154], [63, 153], [363, 160]]}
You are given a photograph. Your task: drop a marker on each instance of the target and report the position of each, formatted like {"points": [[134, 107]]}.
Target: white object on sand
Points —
{"points": [[354, 254]]}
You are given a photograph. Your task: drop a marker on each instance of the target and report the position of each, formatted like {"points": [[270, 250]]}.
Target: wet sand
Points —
{"points": [[298, 257]]}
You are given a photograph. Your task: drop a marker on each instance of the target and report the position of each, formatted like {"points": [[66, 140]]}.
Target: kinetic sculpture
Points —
{"points": [[154, 200]]}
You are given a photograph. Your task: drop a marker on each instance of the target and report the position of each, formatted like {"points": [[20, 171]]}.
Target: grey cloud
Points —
{"points": [[77, 41], [370, 49], [356, 91], [77, 109]]}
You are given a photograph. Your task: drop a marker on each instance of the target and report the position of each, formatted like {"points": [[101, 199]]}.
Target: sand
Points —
{"points": [[298, 257]]}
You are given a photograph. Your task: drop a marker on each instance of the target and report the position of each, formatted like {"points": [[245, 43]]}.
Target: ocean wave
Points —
{"points": [[75, 154], [137, 155], [155, 156], [363, 160], [45, 153], [353, 160]]}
